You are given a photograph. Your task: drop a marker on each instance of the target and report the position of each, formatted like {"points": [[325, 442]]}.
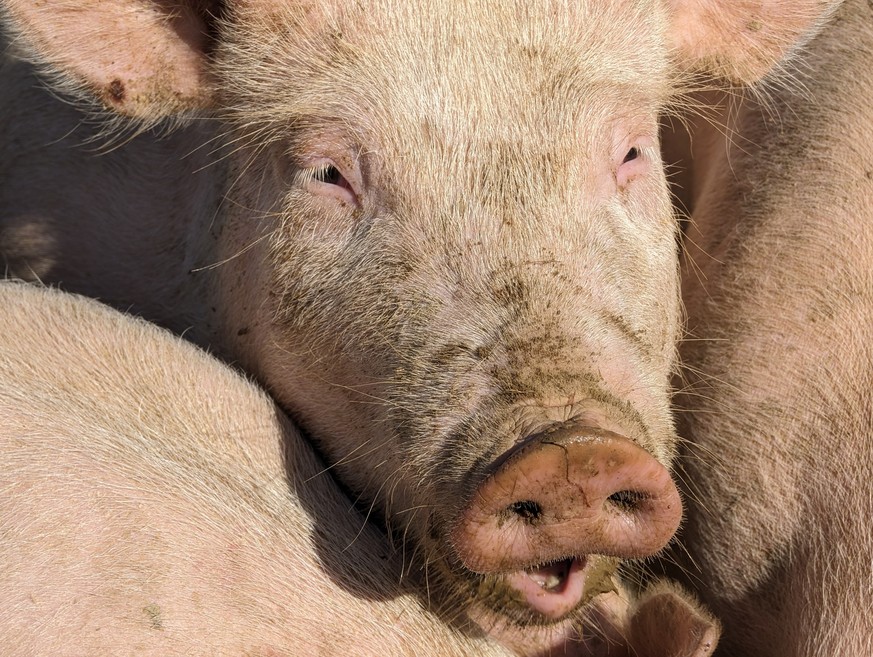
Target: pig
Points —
{"points": [[439, 233], [778, 415], [155, 502]]}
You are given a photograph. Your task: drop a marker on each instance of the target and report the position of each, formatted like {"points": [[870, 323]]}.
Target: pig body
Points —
{"points": [[156, 503], [438, 232], [778, 283]]}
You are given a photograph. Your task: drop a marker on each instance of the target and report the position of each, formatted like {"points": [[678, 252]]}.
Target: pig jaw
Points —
{"points": [[503, 608], [417, 461]]}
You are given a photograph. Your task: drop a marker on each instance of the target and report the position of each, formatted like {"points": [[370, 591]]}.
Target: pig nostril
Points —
{"points": [[626, 500], [526, 510]]}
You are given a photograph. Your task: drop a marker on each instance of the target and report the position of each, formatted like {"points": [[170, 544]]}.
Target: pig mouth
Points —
{"points": [[548, 594], [544, 609], [553, 589]]}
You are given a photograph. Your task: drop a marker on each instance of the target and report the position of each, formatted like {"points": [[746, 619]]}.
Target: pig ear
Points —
{"points": [[142, 58], [742, 40], [667, 622]]}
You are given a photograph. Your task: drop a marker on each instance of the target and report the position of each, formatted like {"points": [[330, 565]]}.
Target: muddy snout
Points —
{"points": [[568, 492]]}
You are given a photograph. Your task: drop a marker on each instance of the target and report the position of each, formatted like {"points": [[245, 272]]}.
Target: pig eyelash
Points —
{"points": [[330, 175], [329, 181]]}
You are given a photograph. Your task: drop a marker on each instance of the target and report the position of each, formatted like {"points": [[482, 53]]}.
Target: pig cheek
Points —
{"points": [[275, 239], [648, 210], [326, 347]]}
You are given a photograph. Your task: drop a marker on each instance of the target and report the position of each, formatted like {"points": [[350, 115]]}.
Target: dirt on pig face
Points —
{"points": [[450, 230]]}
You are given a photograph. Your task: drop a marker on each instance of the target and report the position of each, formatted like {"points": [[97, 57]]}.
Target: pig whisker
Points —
{"points": [[685, 102], [109, 131], [232, 185], [689, 488], [245, 134], [426, 570], [114, 138], [703, 378], [217, 138], [698, 271], [348, 458], [691, 444], [703, 390], [695, 390], [404, 566], [692, 572], [415, 557], [413, 508], [259, 216], [420, 554], [690, 338], [219, 263], [240, 145], [404, 538], [363, 526]]}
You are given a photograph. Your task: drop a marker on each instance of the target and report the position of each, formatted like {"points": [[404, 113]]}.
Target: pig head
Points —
{"points": [[441, 236]]}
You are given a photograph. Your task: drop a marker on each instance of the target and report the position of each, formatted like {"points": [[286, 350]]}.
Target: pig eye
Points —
{"points": [[632, 165], [327, 180], [330, 175]]}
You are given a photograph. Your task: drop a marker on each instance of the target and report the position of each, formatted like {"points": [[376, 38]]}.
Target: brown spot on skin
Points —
{"points": [[754, 26], [599, 578], [116, 91], [153, 612], [532, 53], [512, 293], [429, 130], [243, 331]]}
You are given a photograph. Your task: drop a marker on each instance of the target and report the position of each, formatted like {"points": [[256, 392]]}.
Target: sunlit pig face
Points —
{"points": [[448, 231]]}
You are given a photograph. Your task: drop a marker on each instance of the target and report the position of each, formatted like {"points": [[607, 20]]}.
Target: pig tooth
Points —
{"points": [[548, 582], [550, 577]]}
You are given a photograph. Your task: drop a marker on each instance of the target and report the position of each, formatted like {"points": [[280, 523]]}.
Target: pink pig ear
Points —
{"points": [[142, 58], [667, 622], [742, 40]]}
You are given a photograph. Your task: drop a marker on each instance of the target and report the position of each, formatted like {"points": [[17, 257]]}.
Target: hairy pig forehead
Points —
{"points": [[428, 58], [482, 47]]}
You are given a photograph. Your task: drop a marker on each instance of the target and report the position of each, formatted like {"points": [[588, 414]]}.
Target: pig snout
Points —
{"points": [[570, 491]]}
